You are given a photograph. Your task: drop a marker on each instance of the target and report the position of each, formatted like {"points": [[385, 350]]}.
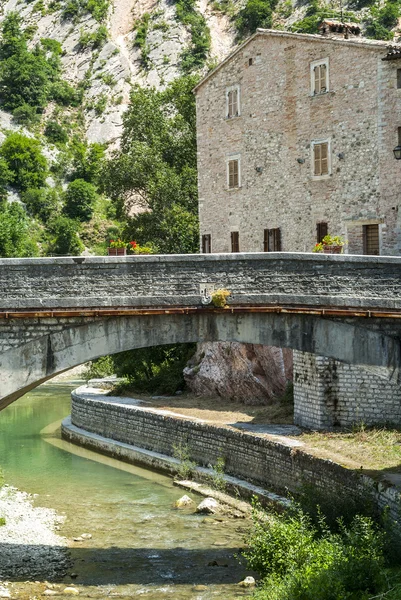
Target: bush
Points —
{"points": [[63, 93], [26, 115], [65, 240], [79, 200], [256, 13], [15, 232], [42, 203], [25, 160], [299, 563], [55, 133]]}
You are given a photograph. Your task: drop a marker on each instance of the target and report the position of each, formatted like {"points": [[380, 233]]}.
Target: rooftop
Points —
{"points": [[362, 42]]}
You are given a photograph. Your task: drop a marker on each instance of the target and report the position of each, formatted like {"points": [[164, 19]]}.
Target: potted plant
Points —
{"points": [[117, 248], [330, 244], [135, 248]]}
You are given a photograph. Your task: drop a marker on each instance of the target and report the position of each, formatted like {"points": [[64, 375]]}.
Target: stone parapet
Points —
{"points": [[252, 278]]}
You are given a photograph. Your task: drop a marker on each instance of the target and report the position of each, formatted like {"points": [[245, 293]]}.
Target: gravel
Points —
{"points": [[29, 547]]}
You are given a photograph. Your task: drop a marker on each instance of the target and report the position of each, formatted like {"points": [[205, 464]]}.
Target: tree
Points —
{"points": [[15, 232], [79, 200], [157, 163], [25, 160], [42, 203], [256, 13], [6, 177], [65, 240]]}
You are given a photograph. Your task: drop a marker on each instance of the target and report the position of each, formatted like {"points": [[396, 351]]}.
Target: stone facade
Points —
{"points": [[255, 458], [279, 121], [279, 118]]}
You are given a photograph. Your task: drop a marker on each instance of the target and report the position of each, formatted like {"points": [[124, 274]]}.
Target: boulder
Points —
{"points": [[247, 373], [208, 506], [184, 502], [247, 582]]}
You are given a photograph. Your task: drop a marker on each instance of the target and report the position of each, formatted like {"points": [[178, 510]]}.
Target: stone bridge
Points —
{"points": [[56, 313]]}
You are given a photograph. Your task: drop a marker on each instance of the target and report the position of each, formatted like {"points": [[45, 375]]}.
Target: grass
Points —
{"points": [[371, 449]]}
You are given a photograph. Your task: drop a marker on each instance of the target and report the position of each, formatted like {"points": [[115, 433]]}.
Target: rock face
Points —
{"points": [[248, 373]]}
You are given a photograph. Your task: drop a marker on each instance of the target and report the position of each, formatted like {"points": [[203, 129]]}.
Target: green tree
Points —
{"points": [[42, 203], [6, 178], [64, 237], [87, 161], [256, 13], [15, 232], [79, 200], [157, 162], [25, 160], [56, 133]]}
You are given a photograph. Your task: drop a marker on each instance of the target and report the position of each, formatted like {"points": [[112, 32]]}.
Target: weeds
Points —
{"points": [[186, 467]]}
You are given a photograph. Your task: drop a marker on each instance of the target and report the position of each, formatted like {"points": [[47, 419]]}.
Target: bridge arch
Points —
{"points": [[24, 367]]}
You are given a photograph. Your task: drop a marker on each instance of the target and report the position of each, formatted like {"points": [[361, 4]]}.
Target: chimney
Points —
{"points": [[337, 29]]}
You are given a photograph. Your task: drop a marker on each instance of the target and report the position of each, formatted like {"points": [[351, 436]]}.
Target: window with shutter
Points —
{"points": [[371, 239], [206, 243], [398, 78], [321, 159], [272, 240], [234, 241], [319, 77], [233, 102], [321, 231], [233, 173]]}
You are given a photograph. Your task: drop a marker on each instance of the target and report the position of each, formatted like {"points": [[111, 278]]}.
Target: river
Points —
{"points": [[141, 546]]}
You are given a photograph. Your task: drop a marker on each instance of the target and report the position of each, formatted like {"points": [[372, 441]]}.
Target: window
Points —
{"points": [[233, 102], [398, 78], [321, 158], [371, 240], [272, 240], [234, 241], [321, 231], [319, 77], [250, 62], [399, 136], [233, 173], [206, 243]]}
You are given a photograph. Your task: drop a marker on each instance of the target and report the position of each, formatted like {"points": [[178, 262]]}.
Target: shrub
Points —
{"points": [[63, 93], [219, 298], [79, 200], [42, 203], [299, 563], [15, 232], [26, 161], [65, 240], [256, 13], [56, 133], [26, 115]]}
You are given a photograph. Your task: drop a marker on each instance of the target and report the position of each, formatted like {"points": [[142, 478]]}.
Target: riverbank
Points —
{"points": [[263, 455], [30, 548]]}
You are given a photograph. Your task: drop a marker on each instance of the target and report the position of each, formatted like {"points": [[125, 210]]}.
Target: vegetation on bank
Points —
{"points": [[298, 559]]}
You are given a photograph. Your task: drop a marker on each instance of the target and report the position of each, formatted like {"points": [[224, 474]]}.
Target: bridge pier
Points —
{"points": [[328, 393]]}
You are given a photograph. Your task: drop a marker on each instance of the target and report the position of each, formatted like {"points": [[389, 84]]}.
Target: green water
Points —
{"points": [[140, 546]]}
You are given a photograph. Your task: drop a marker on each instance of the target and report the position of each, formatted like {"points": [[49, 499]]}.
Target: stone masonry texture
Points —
{"points": [[273, 137], [251, 457]]}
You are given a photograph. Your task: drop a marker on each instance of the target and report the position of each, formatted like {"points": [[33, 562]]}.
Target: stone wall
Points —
{"points": [[253, 278], [251, 457], [329, 394], [273, 138]]}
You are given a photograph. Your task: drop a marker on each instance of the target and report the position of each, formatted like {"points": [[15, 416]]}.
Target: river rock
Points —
{"points": [[199, 588], [78, 539], [247, 582], [247, 373], [50, 593], [86, 536], [208, 506], [71, 591], [4, 593], [184, 502]]}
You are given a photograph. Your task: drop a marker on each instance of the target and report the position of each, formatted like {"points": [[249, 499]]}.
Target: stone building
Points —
{"points": [[296, 136]]}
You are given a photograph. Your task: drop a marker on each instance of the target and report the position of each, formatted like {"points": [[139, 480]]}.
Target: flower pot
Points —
{"points": [[332, 249], [116, 251]]}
